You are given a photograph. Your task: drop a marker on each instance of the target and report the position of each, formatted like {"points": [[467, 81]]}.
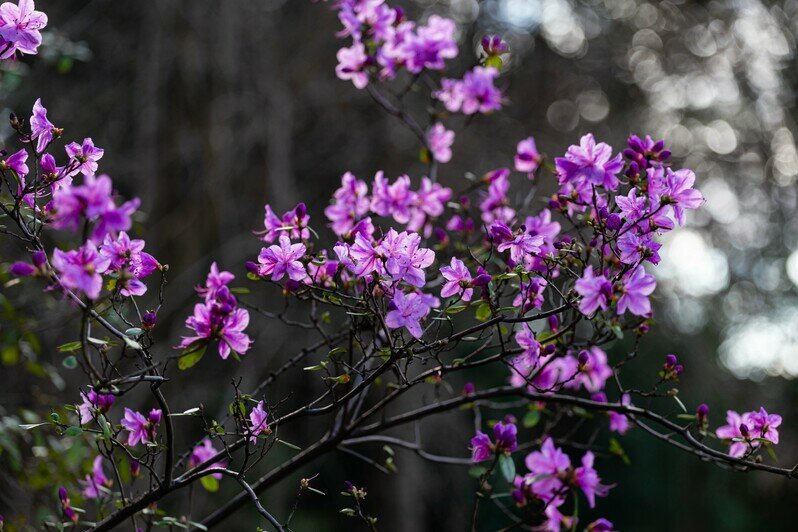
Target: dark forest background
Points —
{"points": [[207, 110]]}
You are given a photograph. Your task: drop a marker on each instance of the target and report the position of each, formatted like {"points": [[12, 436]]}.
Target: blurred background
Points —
{"points": [[207, 110]]}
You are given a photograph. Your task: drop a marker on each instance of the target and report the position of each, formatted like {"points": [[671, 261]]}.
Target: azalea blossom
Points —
{"points": [[458, 280], [407, 310], [257, 422], [20, 28], [596, 291], [96, 481], [278, 261], [142, 429]]}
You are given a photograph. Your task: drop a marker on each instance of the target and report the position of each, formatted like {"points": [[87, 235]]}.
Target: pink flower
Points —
{"points": [[407, 310], [16, 162], [202, 453], [440, 142], [278, 261], [521, 246], [527, 157], [142, 429], [525, 338], [458, 280], [394, 199], [128, 258], [81, 269], [352, 63], [96, 481], [93, 404], [365, 258], [505, 435], [680, 193], [41, 128], [86, 155], [550, 466], [593, 369], [634, 248], [588, 480], [476, 92], [350, 203], [293, 223], [257, 422], [595, 291], [637, 286], [431, 45], [405, 259], [219, 320], [20, 28], [589, 163], [216, 280]]}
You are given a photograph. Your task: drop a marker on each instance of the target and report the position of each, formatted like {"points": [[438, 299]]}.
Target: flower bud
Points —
{"points": [[613, 222], [135, 468], [583, 359], [468, 388], [744, 430]]}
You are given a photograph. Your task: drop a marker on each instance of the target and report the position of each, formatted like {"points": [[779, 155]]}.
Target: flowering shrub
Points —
{"points": [[426, 286]]}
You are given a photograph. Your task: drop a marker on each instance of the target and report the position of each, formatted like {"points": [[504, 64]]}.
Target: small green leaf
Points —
{"points": [[616, 449], [483, 312], [71, 346], [289, 445], [70, 362], [191, 358], [507, 467], [455, 309], [55, 417], [210, 483], [477, 471], [132, 344], [240, 290], [133, 331], [73, 431], [531, 419], [681, 404]]}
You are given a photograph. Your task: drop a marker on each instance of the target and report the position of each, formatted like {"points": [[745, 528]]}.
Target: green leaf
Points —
{"points": [[132, 344], [189, 359], [531, 419], [336, 351], [210, 483], [681, 404], [289, 445], [70, 362], [616, 449], [456, 309], [55, 417], [494, 61], [483, 312], [71, 346], [73, 431], [240, 290], [507, 467], [133, 331], [30, 426]]}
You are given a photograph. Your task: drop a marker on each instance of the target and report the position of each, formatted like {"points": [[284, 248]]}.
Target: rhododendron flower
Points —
{"points": [[600, 525], [458, 280], [405, 259], [590, 162], [24, 269], [81, 269], [215, 281], [431, 45], [392, 199], [293, 223], [96, 481], [506, 436], [350, 203], [596, 291], [731, 431], [521, 245], [637, 286], [588, 480], [618, 422], [495, 205], [257, 422], [128, 258], [745, 432], [94, 403], [763, 425], [440, 142], [525, 338], [679, 192], [86, 155], [645, 152], [20, 27], [407, 310], [142, 429], [41, 128], [352, 63], [220, 320], [16, 162], [543, 226], [527, 157], [476, 92], [428, 202], [204, 452], [549, 465], [593, 369], [278, 261], [634, 248], [365, 257]]}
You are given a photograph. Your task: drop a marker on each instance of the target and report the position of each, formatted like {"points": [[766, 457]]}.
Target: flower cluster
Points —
{"points": [[217, 318], [20, 28], [748, 431]]}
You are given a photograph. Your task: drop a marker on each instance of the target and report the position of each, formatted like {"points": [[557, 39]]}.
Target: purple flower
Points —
{"points": [[86, 155], [634, 248], [41, 128], [680, 194], [732, 431], [440, 142], [81, 269], [128, 258], [219, 320], [142, 429], [493, 45], [458, 280], [543, 226], [593, 369], [350, 203], [20, 28], [392, 199], [588, 480], [94, 403], [405, 259], [96, 481], [481, 447], [363, 256], [494, 206], [636, 288], [431, 45], [506, 436], [644, 153], [407, 310], [16, 162], [352, 63], [278, 261], [428, 202], [527, 157], [521, 245], [596, 292], [257, 422], [215, 281], [589, 163], [476, 92], [600, 525], [202, 453], [525, 338], [530, 294], [549, 465], [763, 425], [293, 223], [24, 269]]}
